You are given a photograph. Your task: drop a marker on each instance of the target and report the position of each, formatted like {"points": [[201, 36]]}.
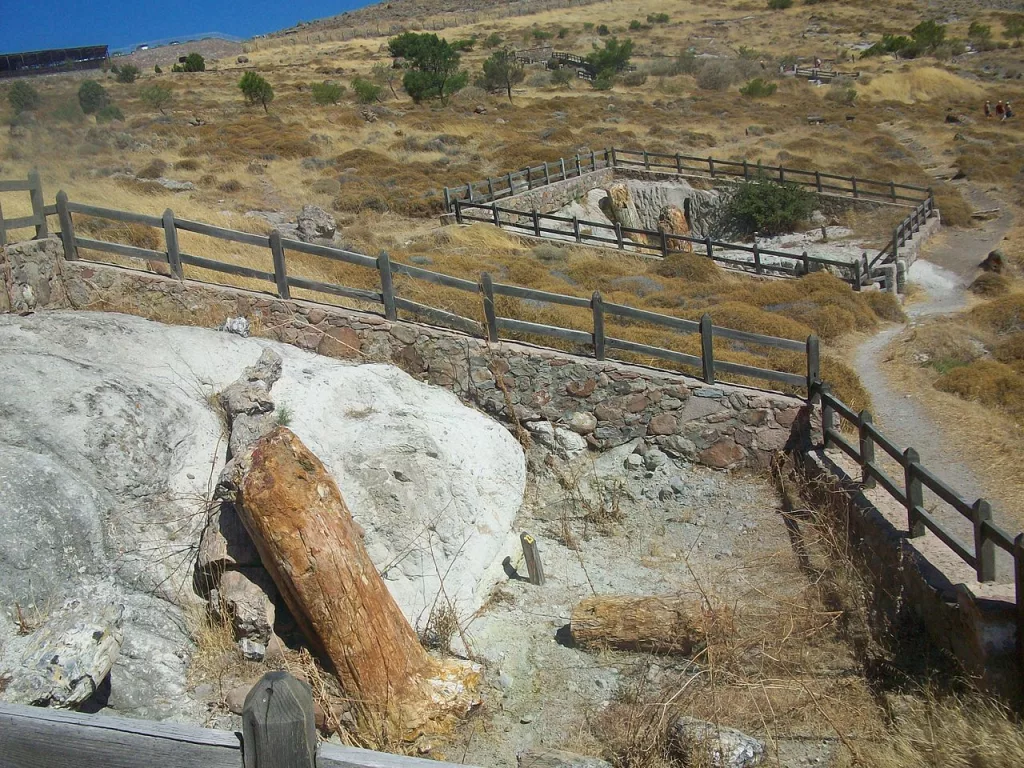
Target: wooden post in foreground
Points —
{"points": [[280, 271], [278, 724], [171, 241], [36, 195], [532, 555], [67, 227]]}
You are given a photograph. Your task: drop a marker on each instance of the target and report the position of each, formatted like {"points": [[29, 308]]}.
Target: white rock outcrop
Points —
{"points": [[109, 450]]}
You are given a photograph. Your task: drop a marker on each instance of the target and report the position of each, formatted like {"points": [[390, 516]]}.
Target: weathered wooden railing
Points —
{"points": [[34, 187], [909, 489], [278, 731], [655, 242], [590, 342], [904, 231]]}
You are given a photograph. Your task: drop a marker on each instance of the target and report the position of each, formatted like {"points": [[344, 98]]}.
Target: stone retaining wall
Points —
{"points": [[555, 196], [601, 403]]}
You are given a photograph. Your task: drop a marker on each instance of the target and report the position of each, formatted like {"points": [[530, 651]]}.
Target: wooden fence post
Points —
{"points": [[576, 228], [647, 161], [171, 241], [664, 245], [856, 276], [984, 547], [614, 162], [387, 286], [895, 244], [867, 450], [511, 188], [447, 200], [280, 272], [679, 164], [711, 166], [757, 258], [817, 180], [593, 160], [892, 190], [707, 245], [707, 348], [458, 211], [853, 183], [547, 173], [782, 175], [278, 724], [469, 192], [579, 170], [914, 491], [813, 364], [3, 228], [618, 236], [746, 170], [67, 227], [487, 289], [36, 195], [561, 165], [536, 223], [1018, 580], [597, 305], [494, 214], [490, 188], [828, 414], [532, 555], [806, 263]]}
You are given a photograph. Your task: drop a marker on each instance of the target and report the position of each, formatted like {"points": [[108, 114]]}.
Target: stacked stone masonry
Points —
{"points": [[608, 403]]}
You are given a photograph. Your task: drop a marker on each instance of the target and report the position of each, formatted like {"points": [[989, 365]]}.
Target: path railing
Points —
{"points": [[908, 491], [34, 187], [654, 243], [594, 342], [278, 731]]}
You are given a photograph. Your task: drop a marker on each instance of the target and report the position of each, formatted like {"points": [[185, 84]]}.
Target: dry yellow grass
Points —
{"points": [[915, 83]]}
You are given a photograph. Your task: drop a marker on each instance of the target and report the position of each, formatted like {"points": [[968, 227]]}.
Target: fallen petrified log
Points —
{"points": [[666, 624], [313, 549]]}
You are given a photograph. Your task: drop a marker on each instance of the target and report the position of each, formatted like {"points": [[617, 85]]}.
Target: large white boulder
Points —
{"points": [[109, 449]]}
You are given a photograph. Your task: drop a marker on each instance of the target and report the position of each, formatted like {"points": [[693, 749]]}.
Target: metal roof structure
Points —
{"points": [[52, 60]]}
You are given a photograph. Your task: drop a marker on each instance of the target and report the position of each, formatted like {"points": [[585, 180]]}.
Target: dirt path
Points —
{"points": [[948, 266]]}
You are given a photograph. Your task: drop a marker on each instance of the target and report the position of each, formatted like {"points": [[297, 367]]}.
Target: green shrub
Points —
{"points": [[588, 26], [157, 70], [604, 81], [434, 66], [929, 34], [562, 77], [635, 25], [92, 97], [603, 30], [716, 75], [464, 44], [634, 79], [156, 96], [540, 34], [979, 33], [194, 62], [327, 92], [1013, 26], [501, 71], [256, 90], [367, 92], [127, 73], [765, 207], [657, 18], [563, 32], [780, 5], [612, 57], [22, 96], [844, 95], [758, 88], [109, 113], [493, 40]]}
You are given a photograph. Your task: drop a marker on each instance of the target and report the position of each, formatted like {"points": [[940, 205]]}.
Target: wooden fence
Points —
{"points": [[278, 731], [512, 183], [655, 242], [34, 187], [594, 342], [908, 490]]}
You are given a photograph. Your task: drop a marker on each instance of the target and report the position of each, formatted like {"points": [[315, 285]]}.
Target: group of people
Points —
{"points": [[1002, 110]]}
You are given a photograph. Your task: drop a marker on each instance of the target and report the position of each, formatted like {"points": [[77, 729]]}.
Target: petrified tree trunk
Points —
{"points": [[313, 549], [656, 624]]}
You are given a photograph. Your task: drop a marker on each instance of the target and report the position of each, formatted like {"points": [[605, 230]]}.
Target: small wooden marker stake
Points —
{"points": [[532, 554]]}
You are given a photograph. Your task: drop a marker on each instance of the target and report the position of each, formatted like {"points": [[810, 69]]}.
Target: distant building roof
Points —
{"points": [[28, 62]]}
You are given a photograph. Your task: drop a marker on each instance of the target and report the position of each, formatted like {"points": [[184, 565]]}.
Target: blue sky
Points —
{"points": [[28, 25]]}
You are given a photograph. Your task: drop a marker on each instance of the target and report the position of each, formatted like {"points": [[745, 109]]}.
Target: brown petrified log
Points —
{"points": [[313, 549], [666, 624]]}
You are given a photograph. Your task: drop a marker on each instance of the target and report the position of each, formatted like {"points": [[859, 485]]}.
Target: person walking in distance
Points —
{"points": [[1007, 112], [988, 109], [999, 110]]}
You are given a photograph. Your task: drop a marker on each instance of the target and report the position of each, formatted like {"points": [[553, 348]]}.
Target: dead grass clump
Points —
{"points": [[988, 382], [943, 344], [252, 136], [990, 284], [954, 209], [885, 305], [230, 186], [689, 267], [186, 165], [140, 186], [139, 235], [633, 729], [1001, 316], [378, 182], [152, 170], [1010, 349], [442, 627]]}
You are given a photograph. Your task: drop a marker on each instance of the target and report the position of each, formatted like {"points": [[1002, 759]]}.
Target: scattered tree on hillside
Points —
{"points": [[367, 92], [256, 89], [929, 35], [1013, 26], [978, 32], [926, 37], [194, 62], [156, 96], [327, 92], [92, 97], [433, 66], [23, 97], [766, 207], [502, 71], [385, 74], [612, 58], [127, 73], [109, 114]]}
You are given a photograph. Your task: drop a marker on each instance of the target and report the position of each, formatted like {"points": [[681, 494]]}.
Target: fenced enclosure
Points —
{"points": [[278, 731], [480, 194], [494, 327]]}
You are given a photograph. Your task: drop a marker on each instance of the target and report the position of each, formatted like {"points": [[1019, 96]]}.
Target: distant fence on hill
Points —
{"points": [[483, 194]]}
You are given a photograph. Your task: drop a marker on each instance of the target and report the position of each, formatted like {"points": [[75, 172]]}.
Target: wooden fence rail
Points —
{"points": [[278, 731], [664, 244], [908, 490], [592, 341], [34, 187], [492, 189]]}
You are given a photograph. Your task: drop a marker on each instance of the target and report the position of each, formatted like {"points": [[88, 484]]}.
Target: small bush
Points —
{"points": [[540, 34], [885, 305], [493, 40], [22, 97], [194, 62], [588, 26], [548, 253], [127, 73], [758, 88], [603, 82], [988, 382], [109, 113], [153, 170], [92, 97], [634, 79], [327, 92], [464, 44], [603, 30], [186, 165], [657, 18], [766, 207], [690, 267], [230, 186], [156, 96], [780, 5], [562, 77], [716, 75], [367, 92], [563, 33], [256, 90], [979, 33], [157, 70], [68, 112], [843, 95], [635, 25]]}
